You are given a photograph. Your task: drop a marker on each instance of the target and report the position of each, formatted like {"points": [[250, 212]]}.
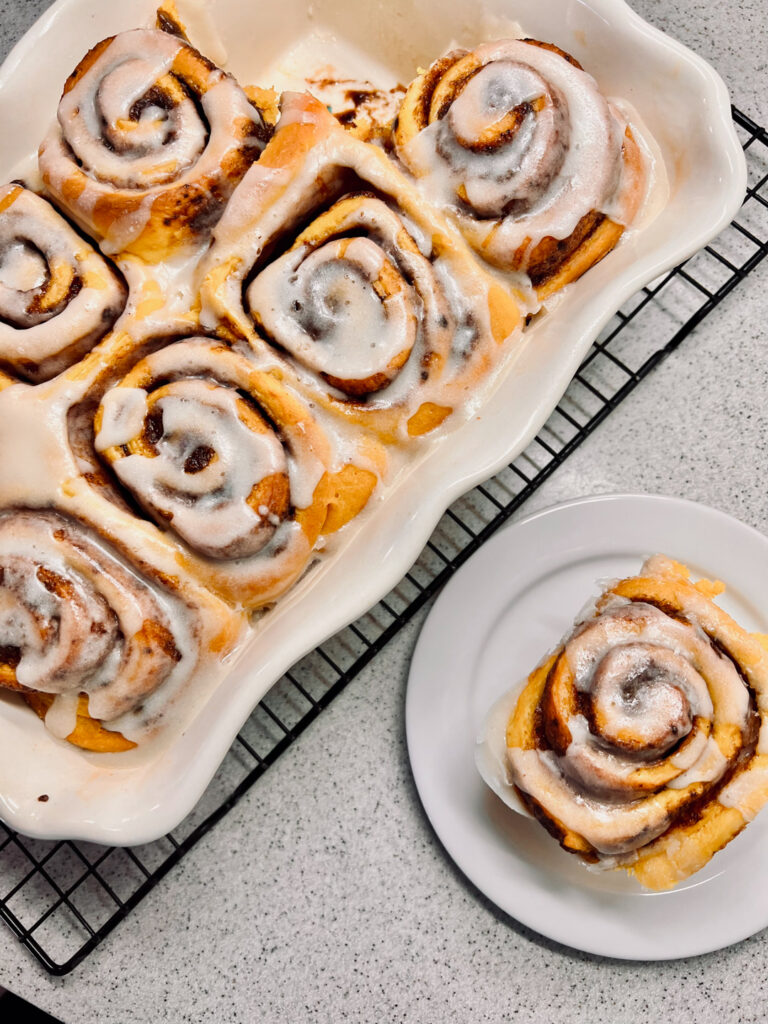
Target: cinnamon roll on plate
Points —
{"points": [[641, 742]]}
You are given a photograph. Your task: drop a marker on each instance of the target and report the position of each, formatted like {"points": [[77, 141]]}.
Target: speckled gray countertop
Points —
{"points": [[325, 895]]}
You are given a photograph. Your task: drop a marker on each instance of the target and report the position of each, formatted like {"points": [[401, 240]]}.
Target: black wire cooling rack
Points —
{"points": [[61, 899]]}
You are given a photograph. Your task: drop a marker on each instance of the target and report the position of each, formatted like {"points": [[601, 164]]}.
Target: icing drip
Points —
{"points": [[61, 717]]}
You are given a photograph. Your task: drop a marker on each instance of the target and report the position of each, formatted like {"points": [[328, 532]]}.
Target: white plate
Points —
{"points": [[139, 796], [510, 604]]}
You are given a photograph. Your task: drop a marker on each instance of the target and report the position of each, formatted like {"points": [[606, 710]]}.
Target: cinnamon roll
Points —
{"points": [[328, 263], [541, 173], [150, 141], [89, 643], [642, 741], [225, 460], [58, 297]]}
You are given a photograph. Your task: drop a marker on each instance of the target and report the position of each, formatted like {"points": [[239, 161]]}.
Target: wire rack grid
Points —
{"points": [[62, 899]]}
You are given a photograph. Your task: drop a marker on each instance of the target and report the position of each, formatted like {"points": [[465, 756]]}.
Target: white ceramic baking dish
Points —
{"points": [[134, 798]]}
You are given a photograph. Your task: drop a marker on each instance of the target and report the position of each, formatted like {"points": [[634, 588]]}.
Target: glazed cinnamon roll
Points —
{"points": [[226, 461], [327, 262], [89, 644], [150, 141], [642, 742], [58, 297], [514, 138]]}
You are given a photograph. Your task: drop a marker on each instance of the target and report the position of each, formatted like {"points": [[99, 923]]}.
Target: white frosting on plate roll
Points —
{"points": [[641, 741]]}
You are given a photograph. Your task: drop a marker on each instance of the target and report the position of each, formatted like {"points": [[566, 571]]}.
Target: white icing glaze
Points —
{"points": [[491, 750], [61, 717], [33, 436], [305, 473], [145, 150], [643, 623], [22, 269], [709, 767], [652, 183], [123, 413], [322, 306], [535, 155], [746, 792], [207, 507], [128, 227], [610, 827]]}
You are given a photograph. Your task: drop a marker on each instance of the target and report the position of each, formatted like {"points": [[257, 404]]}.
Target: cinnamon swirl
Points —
{"points": [[328, 263], [642, 741], [231, 466], [86, 641], [58, 297], [150, 141], [541, 173]]}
